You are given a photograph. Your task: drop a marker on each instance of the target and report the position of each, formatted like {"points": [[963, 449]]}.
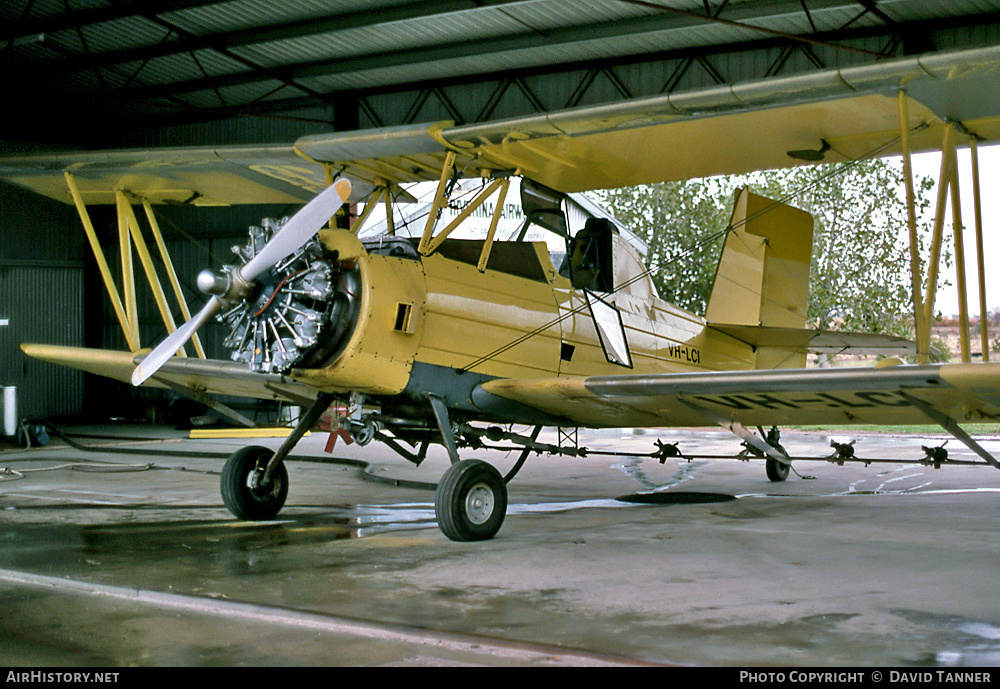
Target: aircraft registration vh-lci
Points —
{"points": [[433, 339]]}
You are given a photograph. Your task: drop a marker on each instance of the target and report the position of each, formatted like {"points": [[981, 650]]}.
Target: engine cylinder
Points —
{"points": [[299, 313]]}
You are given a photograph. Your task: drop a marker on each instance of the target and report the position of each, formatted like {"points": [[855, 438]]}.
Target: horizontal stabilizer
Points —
{"points": [[818, 341]]}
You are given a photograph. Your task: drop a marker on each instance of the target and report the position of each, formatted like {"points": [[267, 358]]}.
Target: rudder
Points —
{"points": [[763, 274]]}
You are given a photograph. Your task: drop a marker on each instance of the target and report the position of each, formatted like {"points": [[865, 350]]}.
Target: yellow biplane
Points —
{"points": [[425, 339]]}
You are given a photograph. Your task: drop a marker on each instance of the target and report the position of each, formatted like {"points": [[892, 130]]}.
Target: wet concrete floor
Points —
{"points": [[123, 555]]}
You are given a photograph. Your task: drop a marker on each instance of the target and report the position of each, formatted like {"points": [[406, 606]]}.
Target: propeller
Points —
{"points": [[229, 288]]}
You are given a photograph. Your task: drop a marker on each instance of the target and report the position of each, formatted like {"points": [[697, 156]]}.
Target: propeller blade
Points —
{"points": [[298, 230], [166, 349]]}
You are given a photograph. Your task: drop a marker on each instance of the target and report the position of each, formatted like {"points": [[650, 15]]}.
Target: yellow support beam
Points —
{"points": [[328, 176], [168, 265], [102, 263], [128, 274], [159, 296], [439, 201], [462, 217], [919, 324], [390, 222], [933, 264], [203, 433], [484, 257], [984, 330], [963, 297], [373, 202]]}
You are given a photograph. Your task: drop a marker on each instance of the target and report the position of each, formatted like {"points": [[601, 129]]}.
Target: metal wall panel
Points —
{"points": [[41, 303], [37, 228]]}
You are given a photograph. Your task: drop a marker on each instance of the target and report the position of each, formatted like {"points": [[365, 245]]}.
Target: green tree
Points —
{"points": [[860, 277], [683, 224]]}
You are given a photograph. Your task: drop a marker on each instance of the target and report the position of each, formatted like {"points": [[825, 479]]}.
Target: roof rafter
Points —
{"points": [[507, 78], [96, 15], [225, 40], [477, 47], [762, 29]]}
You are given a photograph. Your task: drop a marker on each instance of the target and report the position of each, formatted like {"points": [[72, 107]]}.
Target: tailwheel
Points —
{"points": [[775, 470], [471, 501], [242, 491]]}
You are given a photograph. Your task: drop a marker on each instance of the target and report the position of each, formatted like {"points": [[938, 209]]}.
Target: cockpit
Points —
{"points": [[584, 244]]}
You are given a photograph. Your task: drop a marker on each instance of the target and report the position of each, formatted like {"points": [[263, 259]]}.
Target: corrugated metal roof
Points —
{"points": [[141, 61]]}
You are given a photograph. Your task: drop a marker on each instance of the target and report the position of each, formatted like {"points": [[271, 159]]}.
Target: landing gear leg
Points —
{"points": [[471, 498], [254, 482], [765, 446]]}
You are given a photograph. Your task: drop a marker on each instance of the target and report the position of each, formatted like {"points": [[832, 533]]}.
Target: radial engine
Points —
{"points": [[300, 313]]}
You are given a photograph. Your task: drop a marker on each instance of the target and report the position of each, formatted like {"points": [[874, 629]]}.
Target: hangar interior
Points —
{"points": [[86, 75]]}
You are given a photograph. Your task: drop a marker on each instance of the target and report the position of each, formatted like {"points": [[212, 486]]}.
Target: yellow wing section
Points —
{"points": [[201, 375], [198, 176], [843, 114], [964, 393], [833, 115]]}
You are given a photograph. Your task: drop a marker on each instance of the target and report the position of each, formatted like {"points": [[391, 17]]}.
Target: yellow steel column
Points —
{"points": [[466, 212], [102, 263], [984, 330], [390, 222], [128, 274], [175, 284], [947, 165], [963, 297], [373, 201], [159, 296], [919, 324], [328, 175], [439, 201], [484, 257]]}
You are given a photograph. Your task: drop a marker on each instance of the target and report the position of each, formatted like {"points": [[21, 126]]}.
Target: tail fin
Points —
{"points": [[763, 273]]}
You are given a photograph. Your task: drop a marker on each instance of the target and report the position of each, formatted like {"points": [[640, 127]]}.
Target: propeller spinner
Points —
{"points": [[229, 288]]}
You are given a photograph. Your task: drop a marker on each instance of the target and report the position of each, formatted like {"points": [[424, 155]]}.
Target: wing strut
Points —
{"points": [[948, 424], [738, 429], [200, 397]]}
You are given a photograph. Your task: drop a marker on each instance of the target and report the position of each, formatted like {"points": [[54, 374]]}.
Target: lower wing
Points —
{"points": [[190, 374], [963, 393]]}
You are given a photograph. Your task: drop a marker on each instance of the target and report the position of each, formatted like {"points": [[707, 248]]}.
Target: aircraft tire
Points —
{"points": [[252, 504], [471, 501], [776, 471]]}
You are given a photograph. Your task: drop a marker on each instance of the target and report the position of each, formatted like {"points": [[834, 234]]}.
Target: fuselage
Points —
{"points": [[437, 325]]}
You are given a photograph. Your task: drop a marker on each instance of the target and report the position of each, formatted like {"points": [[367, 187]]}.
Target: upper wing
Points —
{"points": [[201, 375], [891, 395], [719, 130], [712, 131], [209, 176]]}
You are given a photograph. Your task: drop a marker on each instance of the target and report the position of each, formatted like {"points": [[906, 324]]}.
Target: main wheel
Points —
{"points": [[238, 492], [471, 501]]}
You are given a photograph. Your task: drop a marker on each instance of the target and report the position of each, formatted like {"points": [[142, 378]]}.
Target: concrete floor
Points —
{"points": [[123, 555]]}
